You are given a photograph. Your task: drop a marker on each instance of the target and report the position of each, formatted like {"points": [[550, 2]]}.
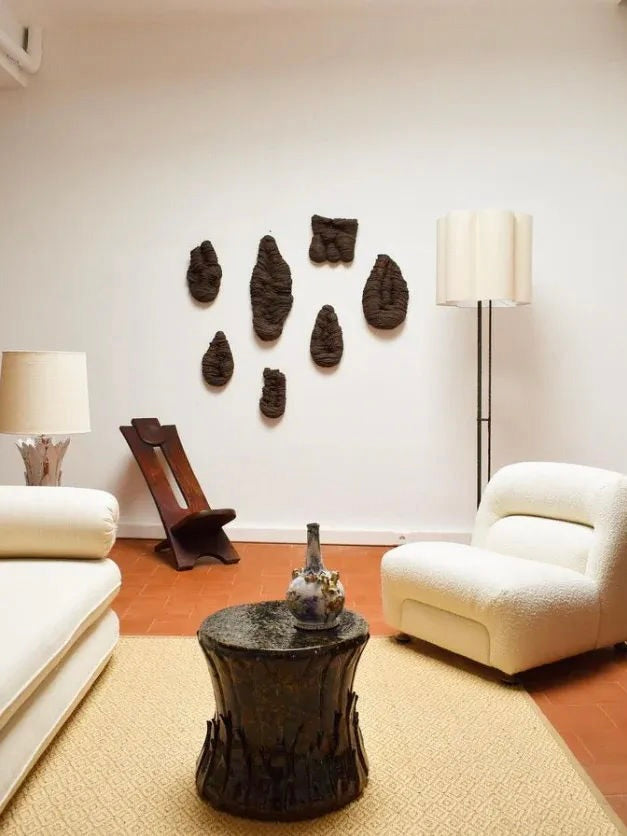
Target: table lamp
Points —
{"points": [[484, 259], [43, 394]]}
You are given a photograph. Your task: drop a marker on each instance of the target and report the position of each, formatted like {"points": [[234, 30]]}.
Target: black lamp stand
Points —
{"points": [[481, 396]]}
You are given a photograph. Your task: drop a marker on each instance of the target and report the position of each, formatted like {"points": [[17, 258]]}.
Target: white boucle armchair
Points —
{"points": [[544, 578]]}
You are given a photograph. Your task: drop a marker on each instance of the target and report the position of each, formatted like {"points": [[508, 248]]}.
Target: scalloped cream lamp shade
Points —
{"points": [[484, 257], [44, 393]]}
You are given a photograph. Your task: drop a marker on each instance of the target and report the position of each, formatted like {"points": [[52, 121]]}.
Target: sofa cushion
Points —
{"points": [[45, 605], [56, 522]]}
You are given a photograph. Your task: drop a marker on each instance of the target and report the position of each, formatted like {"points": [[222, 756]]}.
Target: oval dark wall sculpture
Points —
{"points": [[333, 239], [272, 402], [204, 273], [270, 290], [217, 361], [327, 344], [386, 295]]}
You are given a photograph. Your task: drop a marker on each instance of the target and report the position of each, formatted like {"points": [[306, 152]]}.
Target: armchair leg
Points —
{"points": [[402, 638]]}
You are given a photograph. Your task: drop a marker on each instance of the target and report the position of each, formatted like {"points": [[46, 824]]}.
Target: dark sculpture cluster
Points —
{"points": [[327, 343], [272, 402], [204, 273], [217, 362], [270, 290], [333, 239], [384, 301], [385, 295]]}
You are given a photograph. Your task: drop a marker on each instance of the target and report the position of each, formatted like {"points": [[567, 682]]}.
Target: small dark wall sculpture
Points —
{"points": [[327, 344], [333, 239], [217, 361], [270, 290], [385, 295], [204, 273], [272, 402]]}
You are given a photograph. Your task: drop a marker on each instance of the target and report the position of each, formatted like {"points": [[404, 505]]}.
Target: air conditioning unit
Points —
{"points": [[20, 49]]}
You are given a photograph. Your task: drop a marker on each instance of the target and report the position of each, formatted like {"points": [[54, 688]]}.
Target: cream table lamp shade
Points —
{"points": [[484, 257], [44, 393]]}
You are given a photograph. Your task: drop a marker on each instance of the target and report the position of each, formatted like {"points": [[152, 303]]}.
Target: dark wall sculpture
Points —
{"points": [[385, 295], [326, 345], [272, 402], [204, 273], [217, 362], [333, 239], [270, 290]]}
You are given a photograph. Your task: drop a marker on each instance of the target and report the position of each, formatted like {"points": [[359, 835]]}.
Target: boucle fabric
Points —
{"points": [[533, 612], [546, 574], [577, 494], [451, 753], [546, 540]]}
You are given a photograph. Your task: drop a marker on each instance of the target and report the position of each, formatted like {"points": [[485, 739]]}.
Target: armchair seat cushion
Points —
{"points": [[522, 613]]}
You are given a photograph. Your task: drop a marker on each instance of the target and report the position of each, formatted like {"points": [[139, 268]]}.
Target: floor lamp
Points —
{"points": [[484, 261]]}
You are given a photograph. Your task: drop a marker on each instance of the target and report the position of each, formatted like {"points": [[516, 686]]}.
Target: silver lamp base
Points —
{"points": [[42, 459]]}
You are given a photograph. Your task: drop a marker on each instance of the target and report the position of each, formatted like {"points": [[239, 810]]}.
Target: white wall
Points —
{"points": [[135, 142]]}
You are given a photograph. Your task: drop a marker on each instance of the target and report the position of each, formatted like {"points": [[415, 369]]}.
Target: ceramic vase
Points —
{"points": [[315, 596]]}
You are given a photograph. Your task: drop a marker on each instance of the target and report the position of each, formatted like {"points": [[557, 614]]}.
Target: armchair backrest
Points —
{"points": [[568, 515]]}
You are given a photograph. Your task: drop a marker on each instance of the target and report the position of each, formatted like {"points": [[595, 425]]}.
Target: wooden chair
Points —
{"points": [[190, 532]]}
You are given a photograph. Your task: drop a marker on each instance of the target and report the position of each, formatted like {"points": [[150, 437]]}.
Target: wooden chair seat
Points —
{"points": [[201, 520], [191, 532]]}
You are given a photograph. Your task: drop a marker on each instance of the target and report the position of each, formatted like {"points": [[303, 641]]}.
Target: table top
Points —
{"points": [[268, 628]]}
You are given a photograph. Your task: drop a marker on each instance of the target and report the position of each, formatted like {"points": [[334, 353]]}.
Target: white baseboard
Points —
{"points": [[331, 536]]}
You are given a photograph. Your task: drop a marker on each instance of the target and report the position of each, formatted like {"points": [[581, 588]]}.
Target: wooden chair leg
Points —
{"points": [[184, 559], [163, 546], [218, 545], [188, 548]]}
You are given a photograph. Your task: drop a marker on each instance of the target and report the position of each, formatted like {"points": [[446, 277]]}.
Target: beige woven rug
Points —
{"points": [[450, 753]]}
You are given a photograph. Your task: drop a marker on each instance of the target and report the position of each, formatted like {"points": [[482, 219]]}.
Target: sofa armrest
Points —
{"points": [[56, 522]]}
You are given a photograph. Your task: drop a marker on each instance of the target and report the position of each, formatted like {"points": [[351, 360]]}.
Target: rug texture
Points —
{"points": [[450, 752]]}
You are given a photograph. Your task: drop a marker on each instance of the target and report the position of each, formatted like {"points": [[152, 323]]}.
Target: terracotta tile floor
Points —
{"points": [[584, 698]]}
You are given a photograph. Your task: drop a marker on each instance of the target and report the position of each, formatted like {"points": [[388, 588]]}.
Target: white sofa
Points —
{"points": [[57, 630], [544, 578]]}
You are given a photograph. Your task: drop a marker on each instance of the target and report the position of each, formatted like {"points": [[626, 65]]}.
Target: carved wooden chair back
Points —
{"points": [[145, 436]]}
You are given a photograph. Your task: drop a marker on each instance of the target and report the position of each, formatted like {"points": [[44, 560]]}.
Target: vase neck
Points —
{"points": [[313, 560]]}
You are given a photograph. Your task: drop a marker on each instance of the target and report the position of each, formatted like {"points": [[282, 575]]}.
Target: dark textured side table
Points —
{"points": [[285, 741]]}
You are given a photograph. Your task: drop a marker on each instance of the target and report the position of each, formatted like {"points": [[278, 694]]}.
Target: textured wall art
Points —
{"points": [[270, 290], [204, 273], [217, 361], [385, 295], [272, 402], [327, 344], [333, 239]]}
